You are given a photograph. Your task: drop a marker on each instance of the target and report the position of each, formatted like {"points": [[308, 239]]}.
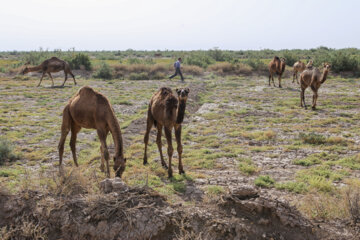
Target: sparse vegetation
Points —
{"points": [[6, 151], [264, 181]]}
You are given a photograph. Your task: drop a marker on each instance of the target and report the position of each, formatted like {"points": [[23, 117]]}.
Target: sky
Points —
{"points": [[178, 24]]}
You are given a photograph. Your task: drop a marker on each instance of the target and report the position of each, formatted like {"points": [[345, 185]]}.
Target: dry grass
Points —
{"points": [[226, 68]]}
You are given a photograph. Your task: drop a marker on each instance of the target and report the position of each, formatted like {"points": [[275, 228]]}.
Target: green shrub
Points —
{"points": [[6, 151], [157, 76], [341, 62], [256, 64], [139, 76], [264, 181], [199, 59], [80, 59], [296, 187], [104, 72], [312, 138], [290, 57]]}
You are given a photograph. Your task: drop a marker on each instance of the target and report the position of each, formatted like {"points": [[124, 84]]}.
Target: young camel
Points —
{"points": [[277, 66], [313, 78], [165, 110], [90, 109], [51, 65], [299, 67]]}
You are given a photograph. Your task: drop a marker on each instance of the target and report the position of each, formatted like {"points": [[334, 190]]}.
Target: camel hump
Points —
{"points": [[86, 90], [54, 59], [164, 91]]}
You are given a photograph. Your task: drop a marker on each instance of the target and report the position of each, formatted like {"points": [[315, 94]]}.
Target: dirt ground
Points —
{"points": [[236, 130]]}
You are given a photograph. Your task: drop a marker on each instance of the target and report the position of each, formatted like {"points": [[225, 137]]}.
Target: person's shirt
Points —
{"points": [[177, 64]]}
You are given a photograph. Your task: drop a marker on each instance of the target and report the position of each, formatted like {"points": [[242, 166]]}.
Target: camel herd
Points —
{"points": [[309, 76], [90, 109]]}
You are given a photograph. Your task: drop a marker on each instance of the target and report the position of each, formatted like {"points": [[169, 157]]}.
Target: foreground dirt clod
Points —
{"points": [[140, 213]]}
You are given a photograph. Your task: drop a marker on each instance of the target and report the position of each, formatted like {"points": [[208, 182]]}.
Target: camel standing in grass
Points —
{"points": [[313, 78], [277, 66], [165, 110], [299, 67], [51, 65], [90, 109]]}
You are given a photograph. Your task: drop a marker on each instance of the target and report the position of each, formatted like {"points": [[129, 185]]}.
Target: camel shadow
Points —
{"points": [[59, 86]]}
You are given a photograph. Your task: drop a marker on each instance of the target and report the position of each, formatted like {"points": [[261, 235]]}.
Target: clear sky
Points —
{"points": [[178, 25]]}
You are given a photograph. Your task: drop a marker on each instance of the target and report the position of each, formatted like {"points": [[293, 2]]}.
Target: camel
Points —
{"points": [[299, 67], [166, 110], [313, 78], [48, 66], [90, 109], [277, 65]]}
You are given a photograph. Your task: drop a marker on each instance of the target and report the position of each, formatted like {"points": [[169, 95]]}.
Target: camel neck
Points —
{"points": [[117, 137], [34, 69], [181, 111], [324, 76]]}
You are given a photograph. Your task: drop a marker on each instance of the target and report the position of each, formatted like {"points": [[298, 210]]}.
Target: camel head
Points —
{"points": [[119, 166], [183, 93], [327, 66], [283, 59], [25, 71]]}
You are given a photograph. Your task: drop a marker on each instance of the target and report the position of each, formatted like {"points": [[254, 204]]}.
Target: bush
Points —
{"points": [[139, 76], [312, 138], [104, 72], [6, 151], [226, 68], [199, 59], [256, 64], [264, 181], [158, 76], [341, 62], [193, 70], [290, 58], [80, 60]]}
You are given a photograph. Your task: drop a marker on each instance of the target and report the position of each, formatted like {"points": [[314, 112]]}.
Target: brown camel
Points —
{"points": [[299, 67], [313, 78], [277, 66], [165, 110], [90, 109], [51, 65]]}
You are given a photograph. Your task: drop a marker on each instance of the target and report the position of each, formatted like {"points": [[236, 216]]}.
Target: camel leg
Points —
{"points": [[170, 149], [272, 77], [179, 148], [303, 98], [269, 79], [149, 124], [158, 142], [294, 76], [102, 166], [41, 78], [72, 75], [66, 77], [51, 79], [74, 131], [102, 137], [280, 81], [65, 128], [315, 96]]}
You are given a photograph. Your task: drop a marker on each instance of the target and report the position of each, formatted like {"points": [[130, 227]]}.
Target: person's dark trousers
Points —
{"points": [[177, 71]]}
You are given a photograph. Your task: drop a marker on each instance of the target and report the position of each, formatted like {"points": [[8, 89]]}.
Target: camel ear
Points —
{"points": [[187, 90], [178, 91]]}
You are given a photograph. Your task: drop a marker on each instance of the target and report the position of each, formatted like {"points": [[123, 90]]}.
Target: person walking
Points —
{"points": [[177, 69]]}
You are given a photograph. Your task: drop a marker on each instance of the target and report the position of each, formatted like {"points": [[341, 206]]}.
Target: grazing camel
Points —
{"points": [[90, 109], [51, 65], [299, 67], [313, 78], [165, 110], [277, 66]]}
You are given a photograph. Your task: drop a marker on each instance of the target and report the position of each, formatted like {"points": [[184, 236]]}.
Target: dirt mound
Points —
{"points": [[141, 213]]}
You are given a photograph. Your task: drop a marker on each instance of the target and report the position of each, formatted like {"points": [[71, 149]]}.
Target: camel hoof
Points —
{"points": [[313, 108], [145, 162], [164, 166], [170, 174], [181, 171], [280, 86]]}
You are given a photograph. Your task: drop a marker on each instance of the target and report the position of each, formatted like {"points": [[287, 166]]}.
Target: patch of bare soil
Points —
{"points": [[140, 213]]}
